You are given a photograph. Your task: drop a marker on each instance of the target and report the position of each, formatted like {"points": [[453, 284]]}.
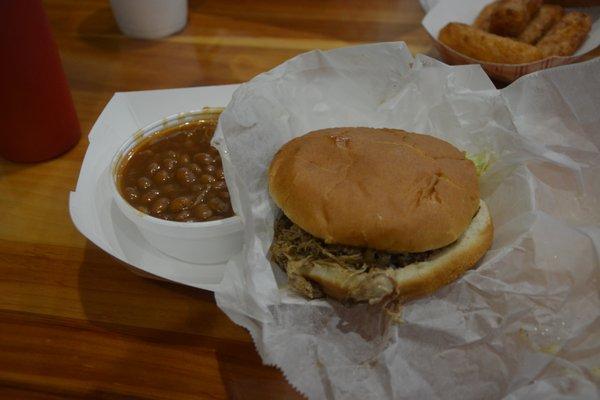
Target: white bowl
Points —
{"points": [[207, 242]]}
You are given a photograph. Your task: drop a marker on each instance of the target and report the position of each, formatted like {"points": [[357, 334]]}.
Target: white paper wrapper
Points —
{"points": [[525, 323], [428, 4]]}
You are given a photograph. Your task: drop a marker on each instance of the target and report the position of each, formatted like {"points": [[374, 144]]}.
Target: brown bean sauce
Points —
{"points": [[176, 175]]}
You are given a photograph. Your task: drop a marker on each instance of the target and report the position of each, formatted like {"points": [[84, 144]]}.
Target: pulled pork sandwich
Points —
{"points": [[373, 214]]}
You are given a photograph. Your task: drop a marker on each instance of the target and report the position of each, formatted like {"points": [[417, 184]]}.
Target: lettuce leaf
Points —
{"points": [[482, 161]]}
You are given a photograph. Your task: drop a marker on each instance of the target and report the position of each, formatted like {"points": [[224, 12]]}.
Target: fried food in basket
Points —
{"points": [[484, 46], [546, 18], [566, 36], [510, 17], [485, 16]]}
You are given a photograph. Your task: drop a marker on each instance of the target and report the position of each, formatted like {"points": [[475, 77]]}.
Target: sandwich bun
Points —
{"points": [[384, 189], [411, 281], [448, 264]]}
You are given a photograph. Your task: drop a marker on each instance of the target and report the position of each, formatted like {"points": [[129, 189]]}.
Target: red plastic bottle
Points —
{"points": [[37, 115]]}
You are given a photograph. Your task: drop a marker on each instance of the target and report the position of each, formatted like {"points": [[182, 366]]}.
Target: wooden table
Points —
{"points": [[74, 322]]}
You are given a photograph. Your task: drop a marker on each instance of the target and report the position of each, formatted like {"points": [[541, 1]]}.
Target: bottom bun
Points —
{"points": [[450, 263], [401, 284]]}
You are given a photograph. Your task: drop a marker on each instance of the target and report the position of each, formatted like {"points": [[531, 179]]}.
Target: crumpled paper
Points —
{"points": [[523, 324], [428, 4]]}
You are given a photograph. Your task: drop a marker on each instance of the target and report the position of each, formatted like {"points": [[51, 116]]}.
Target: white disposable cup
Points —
{"points": [[150, 19], [207, 242]]}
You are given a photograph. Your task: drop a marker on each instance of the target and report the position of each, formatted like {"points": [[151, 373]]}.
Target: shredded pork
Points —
{"points": [[302, 255]]}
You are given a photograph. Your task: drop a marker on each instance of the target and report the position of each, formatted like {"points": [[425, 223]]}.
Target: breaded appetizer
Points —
{"points": [[541, 23], [485, 16], [510, 17], [484, 46], [566, 36]]}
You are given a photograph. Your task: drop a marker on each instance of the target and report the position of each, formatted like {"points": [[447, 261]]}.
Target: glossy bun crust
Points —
{"points": [[385, 189]]}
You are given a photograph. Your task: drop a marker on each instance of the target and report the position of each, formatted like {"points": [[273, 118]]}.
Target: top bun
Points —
{"points": [[385, 189]]}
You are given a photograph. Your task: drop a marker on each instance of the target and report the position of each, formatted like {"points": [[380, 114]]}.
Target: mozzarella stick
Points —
{"points": [[533, 6], [564, 38], [541, 23], [484, 46], [511, 17], [485, 16]]}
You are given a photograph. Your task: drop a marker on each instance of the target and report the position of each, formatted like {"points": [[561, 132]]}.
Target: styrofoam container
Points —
{"points": [[466, 11], [207, 242]]}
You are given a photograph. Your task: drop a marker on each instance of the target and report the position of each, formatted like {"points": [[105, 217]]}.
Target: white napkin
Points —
{"points": [[523, 324], [428, 4]]}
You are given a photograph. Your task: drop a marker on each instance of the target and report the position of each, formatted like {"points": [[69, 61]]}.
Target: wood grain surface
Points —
{"points": [[76, 323]]}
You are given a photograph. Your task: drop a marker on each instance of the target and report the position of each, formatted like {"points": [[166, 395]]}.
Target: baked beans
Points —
{"points": [[176, 175]]}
